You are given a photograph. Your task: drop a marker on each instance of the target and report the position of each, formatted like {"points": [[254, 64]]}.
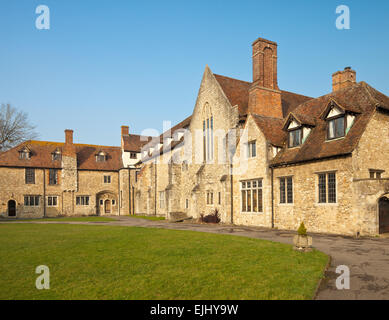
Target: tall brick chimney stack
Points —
{"points": [[343, 79], [264, 94], [69, 149], [125, 130]]}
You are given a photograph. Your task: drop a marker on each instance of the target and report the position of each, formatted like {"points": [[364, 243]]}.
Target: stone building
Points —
{"points": [[260, 155]]}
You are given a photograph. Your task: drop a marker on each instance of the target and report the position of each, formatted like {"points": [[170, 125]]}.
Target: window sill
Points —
{"points": [[327, 204], [335, 139], [253, 213], [286, 204]]}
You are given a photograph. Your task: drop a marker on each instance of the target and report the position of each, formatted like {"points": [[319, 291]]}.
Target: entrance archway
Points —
{"points": [[12, 208], [383, 209]]}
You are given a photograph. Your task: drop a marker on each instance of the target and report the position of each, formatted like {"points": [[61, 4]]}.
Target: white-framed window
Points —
{"points": [[107, 179], [336, 127], [31, 201], [209, 197], [162, 199], [82, 200], [52, 201], [251, 149], [286, 190], [251, 196], [327, 187]]}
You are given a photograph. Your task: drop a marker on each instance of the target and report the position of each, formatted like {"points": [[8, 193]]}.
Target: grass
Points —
{"points": [[70, 219], [107, 262], [153, 218]]}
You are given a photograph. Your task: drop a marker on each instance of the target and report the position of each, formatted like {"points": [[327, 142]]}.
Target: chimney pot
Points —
{"points": [[125, 130]]}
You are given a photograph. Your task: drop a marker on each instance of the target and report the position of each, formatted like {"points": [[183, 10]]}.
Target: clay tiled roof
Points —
{"points": [[271, 128], [237, 92], [41, 156], [361, 99], [134, 142]]}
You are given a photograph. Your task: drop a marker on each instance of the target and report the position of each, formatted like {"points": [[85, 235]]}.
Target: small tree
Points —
{"points": [[302, 231], [14, 127]]}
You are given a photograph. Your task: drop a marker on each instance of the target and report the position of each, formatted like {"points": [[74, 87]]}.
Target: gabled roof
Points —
{"points": [[360, 98], [42, 156], [271, 128], [134, 142]]}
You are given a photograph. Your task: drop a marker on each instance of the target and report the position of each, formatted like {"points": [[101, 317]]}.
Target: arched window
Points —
{"points": [[208, 125]]}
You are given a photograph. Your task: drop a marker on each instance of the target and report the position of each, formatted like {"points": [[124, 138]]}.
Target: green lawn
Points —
{"points": [[153, 218], [107, 262], [82, 219]]}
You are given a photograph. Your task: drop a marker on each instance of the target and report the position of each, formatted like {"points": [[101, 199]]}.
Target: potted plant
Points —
{"points": [[302, 242]]}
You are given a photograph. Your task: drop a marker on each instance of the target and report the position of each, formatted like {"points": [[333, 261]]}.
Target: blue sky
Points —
{"points": [[104, 64]]}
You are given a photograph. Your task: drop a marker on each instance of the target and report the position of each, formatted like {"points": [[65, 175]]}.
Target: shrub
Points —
{"points": [[214, 217], [302, 231]]}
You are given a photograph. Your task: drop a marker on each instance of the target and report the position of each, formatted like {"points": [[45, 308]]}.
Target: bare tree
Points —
{"points": [[14, 127]]}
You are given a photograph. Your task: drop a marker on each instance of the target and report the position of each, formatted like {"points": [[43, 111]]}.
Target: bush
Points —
{"points": [[214, 217], [302, 231]]}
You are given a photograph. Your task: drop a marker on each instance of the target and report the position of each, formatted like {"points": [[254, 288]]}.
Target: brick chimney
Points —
{"points": [[264, 94], [125, 132], [343, 79], [69, 149]]}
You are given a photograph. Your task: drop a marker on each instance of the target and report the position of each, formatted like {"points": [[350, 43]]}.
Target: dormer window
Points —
{"points": [[295, 138], [336, 127], [101, 156], [25, 154], [56, 155], [298, 128]]}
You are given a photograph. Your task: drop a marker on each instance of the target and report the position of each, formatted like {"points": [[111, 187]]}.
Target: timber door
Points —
{"points": [[11, 208], [383, 206], [107, 206]]}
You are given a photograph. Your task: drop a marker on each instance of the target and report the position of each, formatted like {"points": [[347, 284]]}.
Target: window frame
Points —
{"points": [[35, 203], [251, 149], [248, 187], [333, 119], [287, 192], [26, 175], [107, 179], [300, 129], [326, 191], [52, 198], [83, 201], [55, 171]]}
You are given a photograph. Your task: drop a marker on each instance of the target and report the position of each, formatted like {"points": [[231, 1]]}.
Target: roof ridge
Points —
{"points": [[220, 75]]}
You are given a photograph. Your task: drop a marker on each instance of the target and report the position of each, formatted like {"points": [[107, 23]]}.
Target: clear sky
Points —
{"points": [[104, 63]]}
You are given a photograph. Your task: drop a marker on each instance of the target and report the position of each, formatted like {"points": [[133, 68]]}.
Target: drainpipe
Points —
{"points": [[155, 186], [272, 198], [231, 195], [44, 193], [120, 198], [129, 191]]}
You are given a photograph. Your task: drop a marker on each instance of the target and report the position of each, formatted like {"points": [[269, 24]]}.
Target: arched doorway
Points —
{"points": [[106, 203], [383, 209], [12, 208]]}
